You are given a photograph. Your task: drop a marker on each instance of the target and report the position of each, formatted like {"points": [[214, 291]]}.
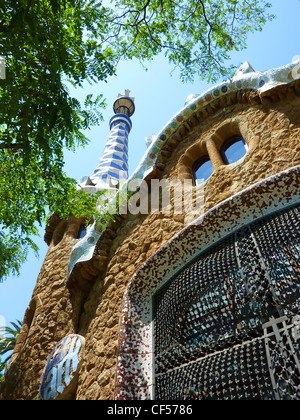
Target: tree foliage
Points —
{"points": [[48, 44], [45, 44]]}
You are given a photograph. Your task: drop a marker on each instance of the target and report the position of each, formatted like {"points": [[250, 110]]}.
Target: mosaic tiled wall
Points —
{"points": [[61, 370], [114, 160], [134, 377], [101, 270]]}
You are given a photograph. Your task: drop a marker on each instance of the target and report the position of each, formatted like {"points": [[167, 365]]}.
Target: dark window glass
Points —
{"points": [[233, 149], [81, 232], [202, 169]]}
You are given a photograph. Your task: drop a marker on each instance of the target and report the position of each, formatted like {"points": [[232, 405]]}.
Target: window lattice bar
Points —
{"points": [[210, 339]]}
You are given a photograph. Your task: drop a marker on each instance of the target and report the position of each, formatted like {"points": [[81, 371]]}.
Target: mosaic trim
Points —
{"points": [[134, 375], [212, 319], [261, 82], [246, 79], [62, 368], [113, 164]]}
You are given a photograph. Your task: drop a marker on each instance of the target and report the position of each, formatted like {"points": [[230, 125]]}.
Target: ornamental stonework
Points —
{"points": [[101, 287]]}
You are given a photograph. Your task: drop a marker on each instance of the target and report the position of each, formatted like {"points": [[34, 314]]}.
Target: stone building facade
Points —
{"points": [[116, 291]]}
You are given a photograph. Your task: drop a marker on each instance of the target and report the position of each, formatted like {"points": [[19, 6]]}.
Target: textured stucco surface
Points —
{"points": [[90, 301]]}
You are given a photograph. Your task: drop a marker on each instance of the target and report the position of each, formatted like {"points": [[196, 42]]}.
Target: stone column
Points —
{"points": [[214, 154]]}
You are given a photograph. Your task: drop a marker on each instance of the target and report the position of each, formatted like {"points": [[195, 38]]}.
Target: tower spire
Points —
{"points": [[113, 164]]}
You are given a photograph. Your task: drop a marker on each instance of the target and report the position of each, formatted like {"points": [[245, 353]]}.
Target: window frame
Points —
{"points": [[230, 142], [197, 165], [134, 371]]}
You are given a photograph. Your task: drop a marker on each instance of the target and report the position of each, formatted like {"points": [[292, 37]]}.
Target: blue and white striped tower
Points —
{"points": [[112, 167]]}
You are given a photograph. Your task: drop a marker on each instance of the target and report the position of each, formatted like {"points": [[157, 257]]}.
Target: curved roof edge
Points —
{"points": [[262, 82]]}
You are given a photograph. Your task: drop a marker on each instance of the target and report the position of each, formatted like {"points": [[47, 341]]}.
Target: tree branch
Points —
{"points": [[210, 26]]}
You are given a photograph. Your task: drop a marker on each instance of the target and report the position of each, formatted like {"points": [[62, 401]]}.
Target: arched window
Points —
{"points": [[233, 149], [202, 169], [225, 325]]}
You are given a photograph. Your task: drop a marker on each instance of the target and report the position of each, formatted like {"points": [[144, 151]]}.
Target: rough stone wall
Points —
{"points": [[274, 134], [136, 241], [48, 318], [90, 302]]}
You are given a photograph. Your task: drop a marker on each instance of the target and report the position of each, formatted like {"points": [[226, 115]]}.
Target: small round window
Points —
{"points": [[233, 149], [202, 169]]}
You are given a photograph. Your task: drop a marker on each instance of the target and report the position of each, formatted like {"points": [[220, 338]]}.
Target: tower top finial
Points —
{"points": [[124, 104]]}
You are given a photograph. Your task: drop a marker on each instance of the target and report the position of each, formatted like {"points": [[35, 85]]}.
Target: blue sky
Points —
{"points": [[158, 96]]}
